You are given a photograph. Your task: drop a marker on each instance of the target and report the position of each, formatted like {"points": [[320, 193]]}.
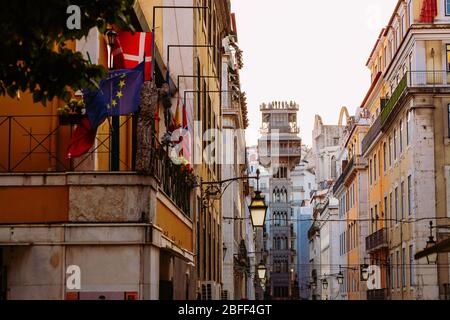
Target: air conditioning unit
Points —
{"points": [[211, 291]]}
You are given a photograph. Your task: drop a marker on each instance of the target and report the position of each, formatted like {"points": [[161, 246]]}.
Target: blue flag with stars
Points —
{"points": [[119, 95]]}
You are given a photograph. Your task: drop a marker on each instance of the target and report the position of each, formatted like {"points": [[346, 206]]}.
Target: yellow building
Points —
{"points": [[406, 147], [351, 190], [143, 237]]}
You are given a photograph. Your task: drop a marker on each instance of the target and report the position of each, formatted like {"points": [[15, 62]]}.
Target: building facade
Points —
{"points": [[351, 190], [237, 237], [131, 236], [406, 149], [279, 153]]}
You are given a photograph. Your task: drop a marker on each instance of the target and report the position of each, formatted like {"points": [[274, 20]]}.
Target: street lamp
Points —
{"points": [[262, 270], [313, 285], [324, 284], [431, 258], [258, 207], [112, 36], [340, 278]]}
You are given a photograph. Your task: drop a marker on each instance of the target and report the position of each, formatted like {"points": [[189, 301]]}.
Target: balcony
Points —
{"points": [[424, 81], [37, 145], [370, 137], [355, 163], [377, 240], [381, 294], [281, 152]]}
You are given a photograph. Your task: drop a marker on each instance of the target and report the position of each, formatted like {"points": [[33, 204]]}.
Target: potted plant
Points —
{"points": [[186, 171], [72, 113]]}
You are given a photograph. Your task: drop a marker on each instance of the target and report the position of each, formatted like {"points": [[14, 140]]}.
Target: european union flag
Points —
{"points": [[118, 95]]}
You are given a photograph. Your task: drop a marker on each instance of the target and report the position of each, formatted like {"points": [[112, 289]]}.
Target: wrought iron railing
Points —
{"points": [[39, 144], [377, 240], [173, 178], [355, 162], [371, 135], [394, 99], [426, 80], [380, 294]]}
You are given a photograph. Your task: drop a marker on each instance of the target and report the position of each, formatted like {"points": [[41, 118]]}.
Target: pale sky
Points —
{"points": [[312, 52]]}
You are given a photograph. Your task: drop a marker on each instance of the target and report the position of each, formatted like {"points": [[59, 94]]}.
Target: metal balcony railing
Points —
{"points": [[426, 80], [295, 151], [354, 163], [174, 180], [377, 240], [38, 144], [373, 133]]}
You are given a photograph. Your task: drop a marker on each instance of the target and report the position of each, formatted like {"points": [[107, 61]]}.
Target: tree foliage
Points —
{"points": [[33, 52]]}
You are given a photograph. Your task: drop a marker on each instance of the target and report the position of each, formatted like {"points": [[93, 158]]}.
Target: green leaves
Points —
{"points": [[32, 30]]}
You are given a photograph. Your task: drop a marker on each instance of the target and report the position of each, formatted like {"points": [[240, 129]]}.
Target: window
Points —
{"points": [[384, 157], [411, 266], [395, 145], [448, 57], [408, 128], [398, 268], [392, 271], [410, 13], [402, 190], [370, 169], [371, 219], [396, 205], [401, 137], [447, 7], [385, 56], [385, 211], [390, 151], [375, 167], [376, 218], [402, 26], [449, 120], [390, 209], [410, 204], [404, 267]]}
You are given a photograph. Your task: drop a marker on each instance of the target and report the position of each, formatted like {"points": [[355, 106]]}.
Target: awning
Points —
{"points": [[441, 247]]}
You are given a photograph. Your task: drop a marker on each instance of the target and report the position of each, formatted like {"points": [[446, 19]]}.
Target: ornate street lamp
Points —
{"points": [[258, 207], [313, 285], [324, 284], [262, 270], [340, 278], [431, 258]]}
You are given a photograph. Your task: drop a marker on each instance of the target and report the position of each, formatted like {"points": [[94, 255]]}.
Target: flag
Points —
{"points": [[177, 120], [118, 95], [121, 92], [429, 11], [82, 140], [130, 49]]}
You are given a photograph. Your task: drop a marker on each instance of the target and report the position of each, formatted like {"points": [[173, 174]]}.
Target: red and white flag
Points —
{"points": [[130, 50]]}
